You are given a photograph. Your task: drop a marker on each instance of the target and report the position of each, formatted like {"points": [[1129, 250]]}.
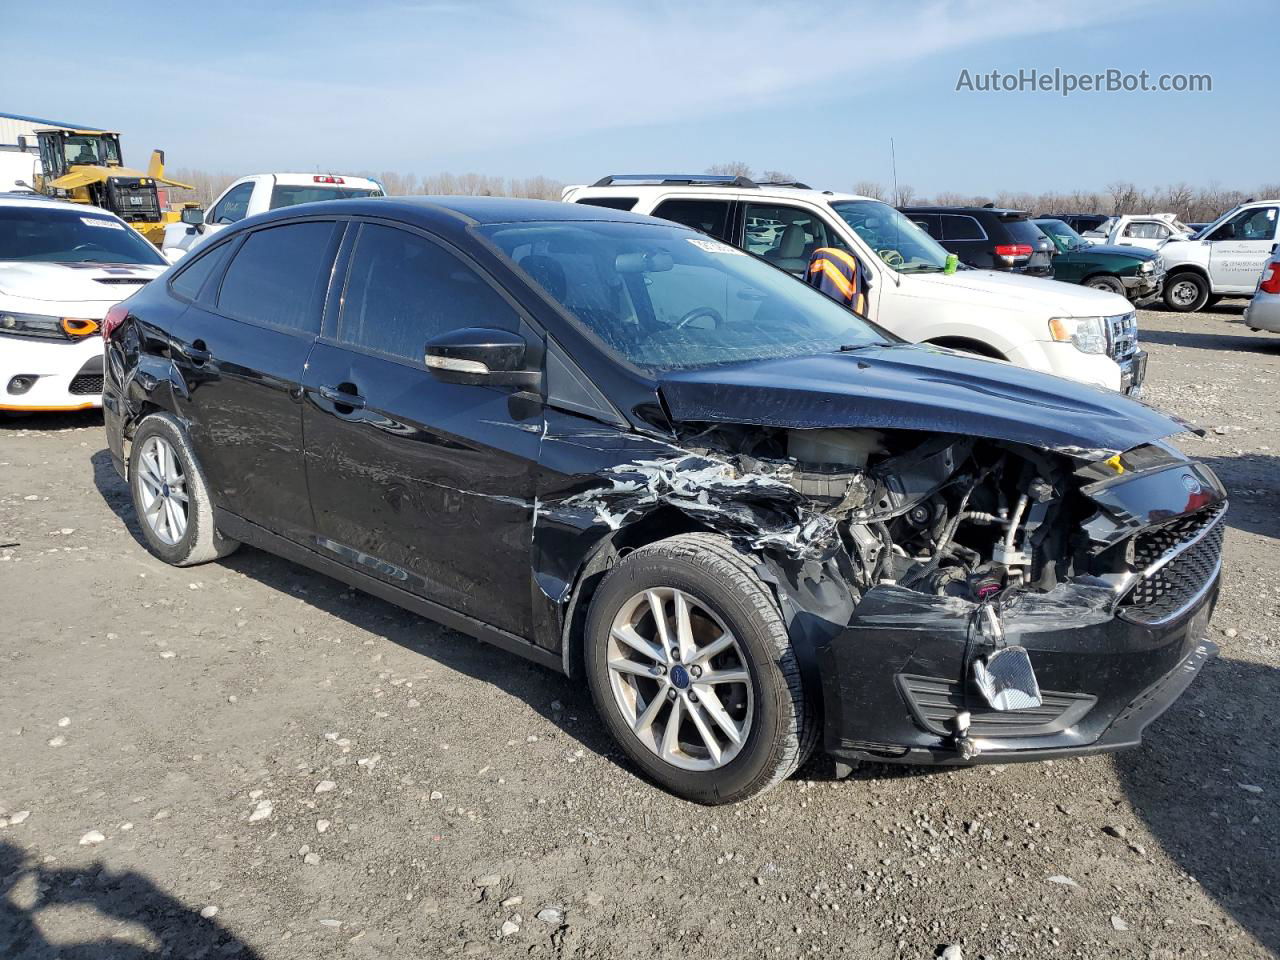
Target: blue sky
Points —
{"points": [[578, 89]]}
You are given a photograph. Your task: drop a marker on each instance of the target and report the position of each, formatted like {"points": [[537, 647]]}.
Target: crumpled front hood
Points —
{"points": [[911, 387], [74, 282], [1013, 292], [1137, 253]]}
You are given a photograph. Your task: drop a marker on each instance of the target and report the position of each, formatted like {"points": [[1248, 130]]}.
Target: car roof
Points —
{"points": [[968, 211], [711, 190], [40, 201], [308, 179], [445, 211]]}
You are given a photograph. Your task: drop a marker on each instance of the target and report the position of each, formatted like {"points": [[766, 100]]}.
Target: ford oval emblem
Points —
{"points": [[1191, 483]]}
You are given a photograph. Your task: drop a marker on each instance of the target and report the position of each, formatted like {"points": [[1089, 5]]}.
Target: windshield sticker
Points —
{"points": [[95, 222], [714, 246]]}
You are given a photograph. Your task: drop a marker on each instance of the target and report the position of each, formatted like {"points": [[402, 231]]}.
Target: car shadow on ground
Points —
{"points": [[1253, 485], [170, 927], [75, 420], [1214, 340], [1205, 782], [565, 703]]}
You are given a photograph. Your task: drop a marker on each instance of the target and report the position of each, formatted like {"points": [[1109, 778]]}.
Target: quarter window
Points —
{"points": [[709, 216], [234, 207], [612, 203], [403, 290], [194, 275], [278, 276]]}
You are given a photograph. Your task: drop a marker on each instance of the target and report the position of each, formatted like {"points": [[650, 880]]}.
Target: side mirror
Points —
{"points": [[193, 216], [480, 355]]}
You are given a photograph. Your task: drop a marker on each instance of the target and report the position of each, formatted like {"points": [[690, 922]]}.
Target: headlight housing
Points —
{"points": [[1148, 267], [1086, 334], [46, 328]]}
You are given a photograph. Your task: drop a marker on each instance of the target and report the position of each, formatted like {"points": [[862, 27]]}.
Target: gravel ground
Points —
{"points": [[247, 760]]}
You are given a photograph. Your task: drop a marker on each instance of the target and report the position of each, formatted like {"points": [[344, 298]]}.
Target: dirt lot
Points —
{"points": [[248, 760]]}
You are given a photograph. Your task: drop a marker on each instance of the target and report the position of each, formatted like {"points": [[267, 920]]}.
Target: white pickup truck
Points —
{"points": [[257, 194], [1224, 259], [1149, 230], [1072, 331]]}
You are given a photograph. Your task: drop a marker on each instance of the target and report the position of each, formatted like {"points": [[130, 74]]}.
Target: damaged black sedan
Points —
{"points": [[751, 522]]}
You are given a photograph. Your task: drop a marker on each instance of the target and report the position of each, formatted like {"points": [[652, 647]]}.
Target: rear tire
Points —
{"points": [[1104, 282], [171, 496], [765, 707], [1186, 292]]}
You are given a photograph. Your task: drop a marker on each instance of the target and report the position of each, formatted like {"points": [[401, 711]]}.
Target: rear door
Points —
{"points": [[1240, 248], [424, 484], [241, 348]]}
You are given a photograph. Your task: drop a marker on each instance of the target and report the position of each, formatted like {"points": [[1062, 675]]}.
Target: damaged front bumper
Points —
{"points": [[892, 690]]}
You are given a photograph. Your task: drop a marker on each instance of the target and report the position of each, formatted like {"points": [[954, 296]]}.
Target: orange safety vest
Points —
{"points": [[837, 274]]}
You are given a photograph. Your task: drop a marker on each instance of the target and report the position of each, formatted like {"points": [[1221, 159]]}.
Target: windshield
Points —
{"points": [[91, 151], [1063, 237], [286, 195], [895, 239], [53, 235], [667, 298]]}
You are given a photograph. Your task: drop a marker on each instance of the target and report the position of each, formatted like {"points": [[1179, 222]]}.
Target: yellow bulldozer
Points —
{"points": [[84, 166]]}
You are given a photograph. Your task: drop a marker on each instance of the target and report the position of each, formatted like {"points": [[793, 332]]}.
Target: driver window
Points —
{"points": [[234, 207], [787, 236], [1257, 224]]}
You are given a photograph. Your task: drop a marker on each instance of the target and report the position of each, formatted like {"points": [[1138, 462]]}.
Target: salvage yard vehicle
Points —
{"points": [[988, 238], [752, 523], [1079, 222], [259, 193], [1222, 260], [1085, 335], [1129, 271], [1263, 311], [1147, 230], [62, 266]]}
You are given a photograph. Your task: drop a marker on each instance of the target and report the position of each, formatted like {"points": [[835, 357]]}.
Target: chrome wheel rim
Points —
{"points": [[1184, 293], [680, 679], [162, 487]]}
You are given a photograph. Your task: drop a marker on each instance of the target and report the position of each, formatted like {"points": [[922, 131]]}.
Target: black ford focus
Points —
{"points": [[754, 524]]}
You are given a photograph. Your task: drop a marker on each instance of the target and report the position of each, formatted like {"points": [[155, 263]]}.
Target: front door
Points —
{"points": [[424, 484], [1239, 248], [241, 348]]}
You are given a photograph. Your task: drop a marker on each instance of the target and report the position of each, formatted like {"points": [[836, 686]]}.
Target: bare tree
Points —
{"points": [[731, 168], [903, 195], [870, 188], [777, 176]]}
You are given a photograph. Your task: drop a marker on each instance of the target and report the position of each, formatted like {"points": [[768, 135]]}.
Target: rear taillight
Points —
{"points": [[115, 316], [1271, 279], [1013, 250]]}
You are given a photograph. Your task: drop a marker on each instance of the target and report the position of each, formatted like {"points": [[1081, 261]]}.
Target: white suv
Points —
{"points": [[1072, 331], [259, 193], [62, 267]]}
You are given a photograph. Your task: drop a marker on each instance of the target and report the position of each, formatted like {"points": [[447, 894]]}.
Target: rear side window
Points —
{"points": [[709, 216], [613, 203], [193, 276], [288, 195], [955, 227], [278, 276], [403, 290]]}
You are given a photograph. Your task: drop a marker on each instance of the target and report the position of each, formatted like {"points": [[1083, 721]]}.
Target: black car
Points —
{"points": [[988, 237], [1079, 222], [750, 522]]}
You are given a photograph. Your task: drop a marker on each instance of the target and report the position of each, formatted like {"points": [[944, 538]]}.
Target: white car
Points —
{"points": [[1072, 331], [1147, 230], [62, 266], [1224, 259], [259, 193]]}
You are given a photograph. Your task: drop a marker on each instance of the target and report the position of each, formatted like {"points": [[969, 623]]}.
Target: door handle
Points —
{"points": [[343, 398], [196, 352]]}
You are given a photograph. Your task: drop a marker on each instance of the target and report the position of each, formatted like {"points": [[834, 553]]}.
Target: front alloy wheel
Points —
{"points": [[680, 679]]}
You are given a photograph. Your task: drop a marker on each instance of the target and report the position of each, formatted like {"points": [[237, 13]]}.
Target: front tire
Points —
{"points": [[1186, 292], [171, 497], [691, 668], [1109, 284]]}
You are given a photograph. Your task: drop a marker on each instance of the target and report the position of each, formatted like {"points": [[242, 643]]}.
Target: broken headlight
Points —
{"points": [[1086, 334]]}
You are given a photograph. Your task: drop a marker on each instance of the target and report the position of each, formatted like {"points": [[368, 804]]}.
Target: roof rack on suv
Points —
{"points": [[705, 179]]}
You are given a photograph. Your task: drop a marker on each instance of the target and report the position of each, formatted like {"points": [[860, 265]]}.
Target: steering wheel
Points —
{"points": [[891, 257], [697, 312]]}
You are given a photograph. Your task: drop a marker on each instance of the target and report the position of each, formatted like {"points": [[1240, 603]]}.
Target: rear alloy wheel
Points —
{"points": [[170, 496], [1186, 292], [691, 668]]}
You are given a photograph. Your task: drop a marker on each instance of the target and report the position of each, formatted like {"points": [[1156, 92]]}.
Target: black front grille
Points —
{"points": [[1165, 592], [935, 703], [86, 383], [133, 201]]}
